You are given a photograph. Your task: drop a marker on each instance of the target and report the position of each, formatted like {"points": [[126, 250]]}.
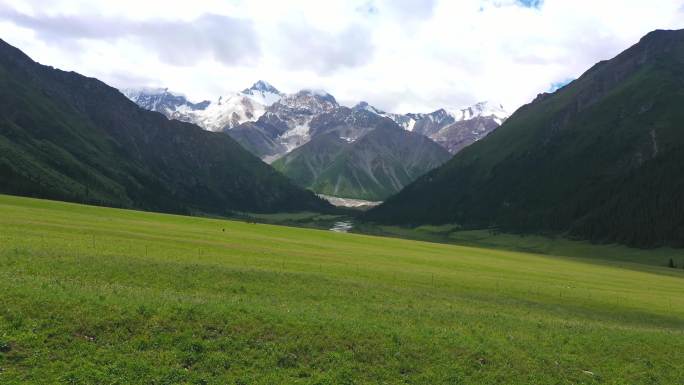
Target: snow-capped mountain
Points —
{"points": [[405, 121], [359, 152], [285, 125], [485, 109], [262, 93], [453, 129], [229, 111], [226, 112], [161, 100], [270, 123]]}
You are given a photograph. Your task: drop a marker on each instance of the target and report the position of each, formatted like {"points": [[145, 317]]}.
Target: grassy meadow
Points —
{"points": [[92, 295], [537, 244]]}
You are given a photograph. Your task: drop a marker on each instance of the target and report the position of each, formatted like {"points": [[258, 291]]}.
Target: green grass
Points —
{"points": [[301, 219], [538, 244], [92, 295]]}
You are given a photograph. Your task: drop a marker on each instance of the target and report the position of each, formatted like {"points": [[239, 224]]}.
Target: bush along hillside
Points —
{"points": [[65, 136], [600, 159]]}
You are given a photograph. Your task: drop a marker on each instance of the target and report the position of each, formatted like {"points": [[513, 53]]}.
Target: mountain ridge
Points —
{"points": [[69, 137], [600, 159], [228, 114]]}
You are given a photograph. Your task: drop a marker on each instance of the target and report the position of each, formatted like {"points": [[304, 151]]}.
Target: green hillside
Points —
{"points": [[94, 295], [373, 167], [601, 159], [68, 137], [304, 164]]}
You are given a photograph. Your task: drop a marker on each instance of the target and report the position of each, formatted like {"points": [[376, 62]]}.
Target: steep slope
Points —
{"points": [[306, 163], [602, 158], [69, 137], [463, 133], [285, 125], [357, 154], [259, 139]]}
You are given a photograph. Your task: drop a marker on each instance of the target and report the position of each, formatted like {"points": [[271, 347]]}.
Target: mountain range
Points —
{"points": [[282, 119], [601, 158], [288, 129], [69, 137]]}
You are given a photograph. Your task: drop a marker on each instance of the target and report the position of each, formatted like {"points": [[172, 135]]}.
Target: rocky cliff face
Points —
{"points": [[354, 153]]}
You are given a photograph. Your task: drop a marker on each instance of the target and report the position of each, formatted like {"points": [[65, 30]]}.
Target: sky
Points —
{"points": [[399, 55]]}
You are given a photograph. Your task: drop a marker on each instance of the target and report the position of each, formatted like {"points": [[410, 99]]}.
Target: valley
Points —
{"points": [[329, 148], [407, 230]]}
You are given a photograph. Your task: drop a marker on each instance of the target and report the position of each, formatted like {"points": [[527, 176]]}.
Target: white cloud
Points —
{"points": [[401, 55]]}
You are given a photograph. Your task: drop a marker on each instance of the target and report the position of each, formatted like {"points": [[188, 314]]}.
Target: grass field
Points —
{"points": [[536, 244], [102, 296]]}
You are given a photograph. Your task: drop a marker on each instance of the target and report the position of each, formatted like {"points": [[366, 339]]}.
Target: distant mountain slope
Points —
{"points": [[272, 125], [357, 154], [69, 137], [602, 158], [454, 130], [459, 135]]}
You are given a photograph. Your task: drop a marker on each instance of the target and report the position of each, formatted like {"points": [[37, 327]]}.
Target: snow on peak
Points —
{"points": [[161, 100], [133, 93], [227, 112], [407, 121], [263, 93], [481, 109], [261, 86]]}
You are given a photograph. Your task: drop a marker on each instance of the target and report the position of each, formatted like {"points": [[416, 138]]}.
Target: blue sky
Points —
{"points": [[399, 55], [531, 3], [559, 84]]}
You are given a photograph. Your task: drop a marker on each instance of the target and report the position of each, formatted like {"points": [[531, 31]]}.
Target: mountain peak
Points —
{"points": [[261, 86], [482, 109], [362, 105], [160, 99], [316, 94], [263, 92], [489, 108]]}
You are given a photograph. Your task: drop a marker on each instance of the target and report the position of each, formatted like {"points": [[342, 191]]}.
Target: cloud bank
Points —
{"points": [[400, 55]]}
